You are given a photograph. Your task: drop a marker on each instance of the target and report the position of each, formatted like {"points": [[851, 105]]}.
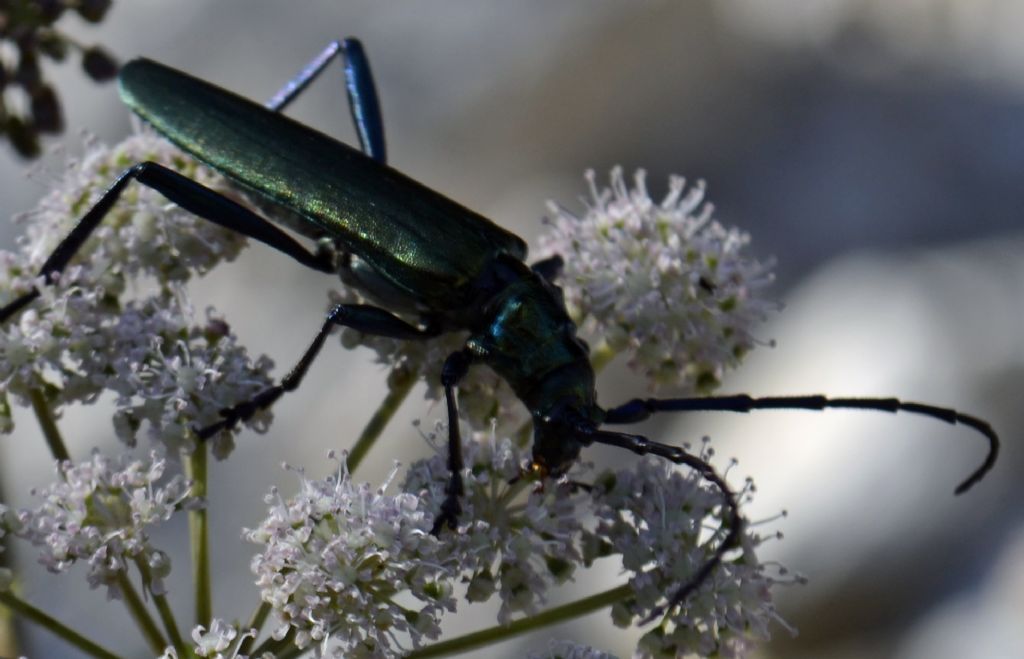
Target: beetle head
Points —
{"points": [[558, 437]]}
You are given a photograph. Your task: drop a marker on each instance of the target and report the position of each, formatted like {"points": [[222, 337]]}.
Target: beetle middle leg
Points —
{"points": [[455, 368], [361, 317]]}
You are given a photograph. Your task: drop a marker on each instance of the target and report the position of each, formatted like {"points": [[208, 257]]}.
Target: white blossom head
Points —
{"points": [[656, 518], [80, 339], [100, 512], [663, 282], [215, 641], [519, 538], [353, 566], [515, 540], [8, 520]]}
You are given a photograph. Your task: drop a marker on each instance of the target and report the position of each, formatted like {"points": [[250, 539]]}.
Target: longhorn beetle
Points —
{"points": [[419, 252]]}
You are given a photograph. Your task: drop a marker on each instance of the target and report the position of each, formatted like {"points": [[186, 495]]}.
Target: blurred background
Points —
{"points": [[874, 148]]}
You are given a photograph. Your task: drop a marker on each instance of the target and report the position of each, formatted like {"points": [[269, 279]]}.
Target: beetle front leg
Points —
{"points": [[454, 369], [183, 191], [364, 318]]}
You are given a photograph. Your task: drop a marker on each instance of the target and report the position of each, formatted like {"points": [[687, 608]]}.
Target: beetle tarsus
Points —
{"points": [[449, 514]]}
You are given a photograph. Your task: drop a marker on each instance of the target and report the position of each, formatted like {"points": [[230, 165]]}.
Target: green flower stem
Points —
{"points": [[49, 426], [8, 633], [503, 632], [256, 621], [199, 537], [284, 649], [164, 610], [31, 613], [156, 641], [400, 388], [8, 630]]}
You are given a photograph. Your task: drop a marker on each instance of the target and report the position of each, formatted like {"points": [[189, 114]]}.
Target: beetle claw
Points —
{"points": [[449, 515]]}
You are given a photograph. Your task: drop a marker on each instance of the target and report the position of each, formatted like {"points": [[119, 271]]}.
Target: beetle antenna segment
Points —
{"points": [[642, 446], [639, 409]]}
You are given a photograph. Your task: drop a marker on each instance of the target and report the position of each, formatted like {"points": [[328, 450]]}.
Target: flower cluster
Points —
{"points": [[7, 520], [27, 26], [335, 556], [100, 512], [80, 340], [516, 540], [347, 568], [662, 281], [220, 641], [654, 517]]}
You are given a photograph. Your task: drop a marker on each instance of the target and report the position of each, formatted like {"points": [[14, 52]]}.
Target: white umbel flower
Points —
{"points": [[655, 517], [514, 540], [79, 339], [214, 641], [339, 559], [100, 512], [663, 282]]}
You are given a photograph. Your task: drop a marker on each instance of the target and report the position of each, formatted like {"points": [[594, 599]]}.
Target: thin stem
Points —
{"points": [[8, 630], [259, 616], [283, 649], [8, 634], [199, 537], [400, 388], [156, 641], [32, 614], [164, 610], [502, 632], [49, 425]]}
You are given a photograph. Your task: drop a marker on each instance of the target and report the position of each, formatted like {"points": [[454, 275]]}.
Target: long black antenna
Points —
{"points": [[639, 409], [733, 524]]}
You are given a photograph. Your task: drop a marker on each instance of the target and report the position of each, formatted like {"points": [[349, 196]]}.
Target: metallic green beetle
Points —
{"points": [[411, 250]]}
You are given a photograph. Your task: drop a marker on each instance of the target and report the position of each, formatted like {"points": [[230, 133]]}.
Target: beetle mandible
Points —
{"points": [[371, 224]]}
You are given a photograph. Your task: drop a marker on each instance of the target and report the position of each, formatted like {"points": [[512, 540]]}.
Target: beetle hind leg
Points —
{"points": [[359, 86]]}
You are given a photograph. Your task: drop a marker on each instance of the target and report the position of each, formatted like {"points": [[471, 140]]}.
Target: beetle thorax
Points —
{"points": [[529, 340]]}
